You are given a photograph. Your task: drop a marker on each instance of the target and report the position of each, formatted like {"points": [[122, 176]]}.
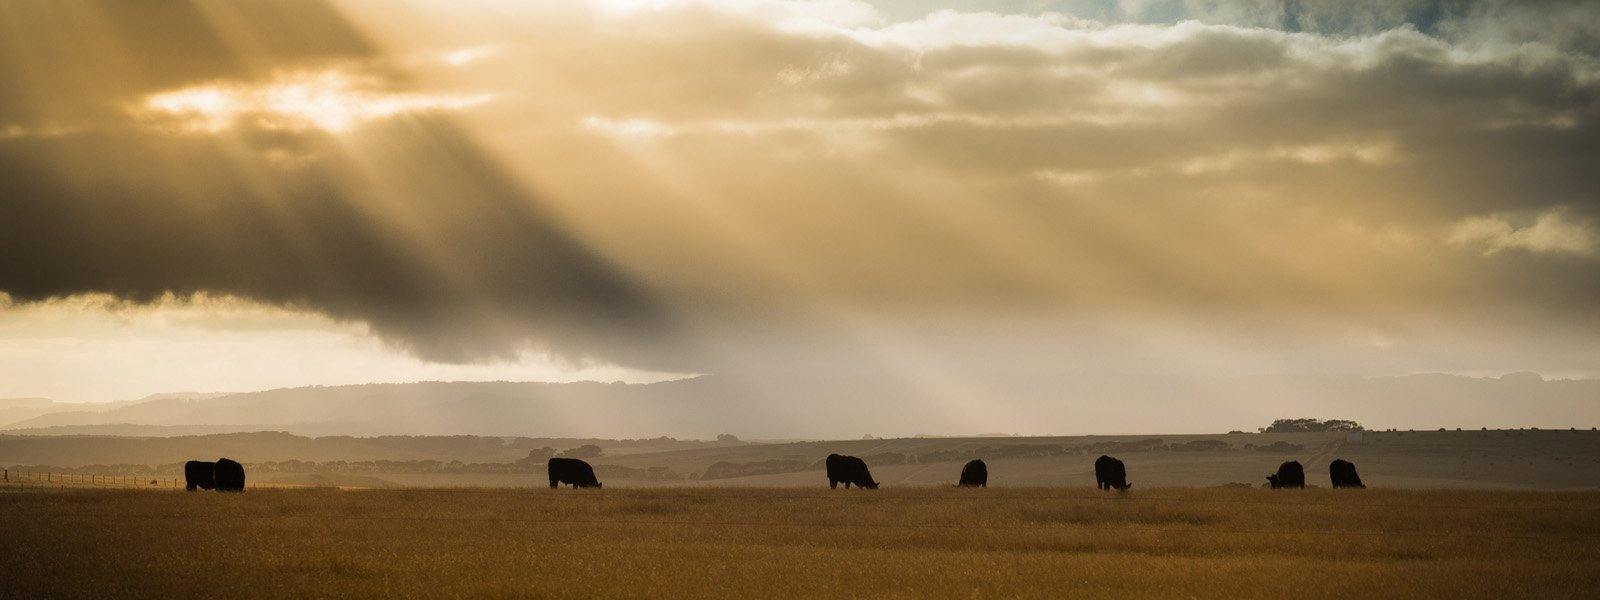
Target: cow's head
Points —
{"points": [[1124, 487], [1273, 480], [871, 485]]}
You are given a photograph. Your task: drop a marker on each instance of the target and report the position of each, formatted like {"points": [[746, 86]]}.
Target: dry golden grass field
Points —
{"points": [[778, 543]]}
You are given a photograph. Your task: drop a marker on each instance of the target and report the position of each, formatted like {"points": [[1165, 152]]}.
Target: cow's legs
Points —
{"points": [[833, 484], [554, 484]]}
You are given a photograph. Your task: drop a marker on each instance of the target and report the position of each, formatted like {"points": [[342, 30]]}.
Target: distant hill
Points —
{"points": [[76, 450], [17, 413], [839, 406], [700, 408], [427, 408], [17, 410], [21, 409], [127, 430]]}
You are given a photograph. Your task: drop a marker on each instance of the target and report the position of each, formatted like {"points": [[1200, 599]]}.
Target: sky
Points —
{"points": [[212, 196]]}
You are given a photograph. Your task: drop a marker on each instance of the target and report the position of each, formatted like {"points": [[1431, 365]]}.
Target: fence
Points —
{"points": [[29, 479], [11, 478]]}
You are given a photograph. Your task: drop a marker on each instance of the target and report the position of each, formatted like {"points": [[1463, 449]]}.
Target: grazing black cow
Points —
{"points": [[199, 475], [848, 470], [1111, 473], [975, 474], [230, 476], [1290, 475], [1343, 474], [572, 471]]}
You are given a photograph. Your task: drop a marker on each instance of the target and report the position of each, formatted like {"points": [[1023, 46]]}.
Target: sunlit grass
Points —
{"points": [[916, 542]]}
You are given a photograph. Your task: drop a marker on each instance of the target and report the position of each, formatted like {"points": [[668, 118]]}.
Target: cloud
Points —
{"points": [[331, 100], [173, 183], [777, 177], [1551, 232], [789, 15]]}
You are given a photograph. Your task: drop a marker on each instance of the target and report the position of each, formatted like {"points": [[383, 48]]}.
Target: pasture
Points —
{"points": [[751, 542], [1494, 459]]}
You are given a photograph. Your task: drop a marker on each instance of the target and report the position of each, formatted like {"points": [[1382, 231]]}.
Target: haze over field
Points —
{"points": [[855, 217]]}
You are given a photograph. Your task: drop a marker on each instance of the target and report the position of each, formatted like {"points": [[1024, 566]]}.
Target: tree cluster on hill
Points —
{"points": [[584, 451], [725, 469], [1038, 450], [1310, 425], [648, 473], [1200, 446], [1279, 447]]}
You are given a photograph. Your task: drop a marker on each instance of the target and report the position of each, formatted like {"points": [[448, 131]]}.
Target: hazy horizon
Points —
{"points": [[798, 407]]}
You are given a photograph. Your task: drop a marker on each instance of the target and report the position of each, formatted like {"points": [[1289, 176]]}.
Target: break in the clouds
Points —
{"points": [[331, 100], [680, 184]]}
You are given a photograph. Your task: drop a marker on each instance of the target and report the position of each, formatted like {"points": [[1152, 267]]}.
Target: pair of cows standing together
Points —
{"points": [[1291, 475], [224, 475]]}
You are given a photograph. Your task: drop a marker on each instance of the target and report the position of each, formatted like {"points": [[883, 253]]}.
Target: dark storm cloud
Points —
{"points": [[474, 270], [418, 233]]}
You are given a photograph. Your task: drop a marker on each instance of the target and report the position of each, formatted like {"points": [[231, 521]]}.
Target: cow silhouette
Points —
{"points": [[229, 476], [572, 471], [975, 474], [849, 470], [1289, 475], [199, 475], [1343, 474], [1111, 473]]}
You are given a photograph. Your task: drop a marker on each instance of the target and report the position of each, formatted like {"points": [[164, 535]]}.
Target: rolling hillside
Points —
{"points": [[840, 407]]}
